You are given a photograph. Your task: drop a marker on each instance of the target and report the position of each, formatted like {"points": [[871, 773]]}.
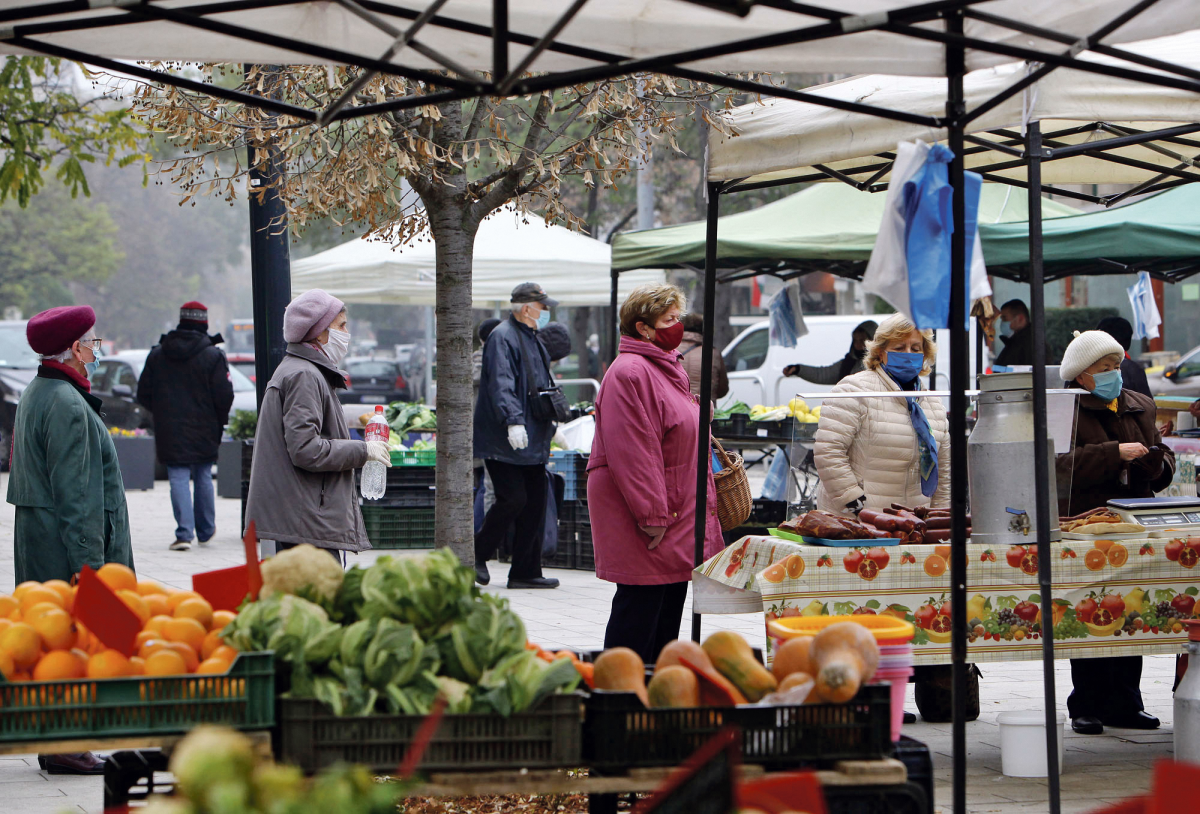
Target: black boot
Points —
{"points": [[481, 573]]}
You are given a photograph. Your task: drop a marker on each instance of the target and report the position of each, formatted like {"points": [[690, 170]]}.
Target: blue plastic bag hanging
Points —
{"points": [[929, 225], [716, 463]]}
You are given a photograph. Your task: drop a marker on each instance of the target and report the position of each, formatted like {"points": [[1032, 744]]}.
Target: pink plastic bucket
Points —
{"points": [[898, 678]]}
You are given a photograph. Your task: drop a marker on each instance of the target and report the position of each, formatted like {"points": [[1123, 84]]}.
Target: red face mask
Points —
{"points": [[668, 339]]}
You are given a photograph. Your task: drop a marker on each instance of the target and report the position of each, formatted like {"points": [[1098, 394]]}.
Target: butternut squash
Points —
{"points": [[845, 655], [672, 654], [715, 690], [621, 670], [734, 659], [794, 680], [793, 657], [674, 686]]}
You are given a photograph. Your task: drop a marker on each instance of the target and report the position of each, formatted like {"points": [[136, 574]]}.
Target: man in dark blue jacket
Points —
{"points": [[513, 444], [185, 385]]}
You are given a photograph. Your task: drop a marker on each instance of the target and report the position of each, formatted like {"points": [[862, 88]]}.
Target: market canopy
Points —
{"points": [[465, 48], [509, 249], [1159, 234], [787, 139], [826, 227]]}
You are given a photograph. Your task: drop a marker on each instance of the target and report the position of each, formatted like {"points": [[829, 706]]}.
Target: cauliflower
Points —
{"points": [[304, 565]]}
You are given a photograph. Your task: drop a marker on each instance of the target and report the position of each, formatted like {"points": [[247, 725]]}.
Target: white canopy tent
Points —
{"points": [[461, 31], [781, 137], [509, 249]]}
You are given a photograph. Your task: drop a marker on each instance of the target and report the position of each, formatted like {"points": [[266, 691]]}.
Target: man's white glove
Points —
{"points": [[377, 450], [517, 438]]}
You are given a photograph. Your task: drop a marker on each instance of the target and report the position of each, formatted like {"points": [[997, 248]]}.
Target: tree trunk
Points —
{"points": [[454, 245]]}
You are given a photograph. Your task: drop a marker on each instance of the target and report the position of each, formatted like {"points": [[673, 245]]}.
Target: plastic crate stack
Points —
{"points": [[574, 521], [403, 517]]}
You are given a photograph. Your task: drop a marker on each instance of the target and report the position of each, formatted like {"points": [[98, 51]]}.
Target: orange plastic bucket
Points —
{"points": [[886, 629]]}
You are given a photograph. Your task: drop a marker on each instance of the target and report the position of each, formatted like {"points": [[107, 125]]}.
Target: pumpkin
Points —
{"points": [[793, 657], [715, 689], [622, 670], [674, 686], [734, 659], [845, 655]]}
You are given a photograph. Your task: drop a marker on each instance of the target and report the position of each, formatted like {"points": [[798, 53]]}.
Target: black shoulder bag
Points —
{"points": [[545, 403]]}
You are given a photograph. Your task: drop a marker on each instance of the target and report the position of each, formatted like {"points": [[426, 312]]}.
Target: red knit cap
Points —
{"points": [[194, 312], [52, 332]]}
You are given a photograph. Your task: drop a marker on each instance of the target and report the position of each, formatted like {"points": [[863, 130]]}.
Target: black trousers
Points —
{"points": [[1107, 689], [645, 618], [520, 503]]}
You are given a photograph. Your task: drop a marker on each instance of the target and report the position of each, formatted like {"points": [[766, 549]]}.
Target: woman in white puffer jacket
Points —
{"points": [[876, 450]]}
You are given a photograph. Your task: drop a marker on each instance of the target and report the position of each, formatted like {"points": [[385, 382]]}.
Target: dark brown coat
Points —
{"points": [[1093, 473], [691, 350]]}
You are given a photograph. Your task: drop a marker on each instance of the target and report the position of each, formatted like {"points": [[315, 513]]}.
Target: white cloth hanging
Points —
{"points": [[1146, 318]]}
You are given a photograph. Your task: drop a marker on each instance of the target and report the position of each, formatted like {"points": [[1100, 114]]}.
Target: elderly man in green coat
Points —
{"points": [[65, 481]]}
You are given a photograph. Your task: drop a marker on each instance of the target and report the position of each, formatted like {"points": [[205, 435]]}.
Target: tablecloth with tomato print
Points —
{"points": [[1111, 598]]}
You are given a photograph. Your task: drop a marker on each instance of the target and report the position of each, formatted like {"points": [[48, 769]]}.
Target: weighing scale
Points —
{"points": [[1160, 512]]}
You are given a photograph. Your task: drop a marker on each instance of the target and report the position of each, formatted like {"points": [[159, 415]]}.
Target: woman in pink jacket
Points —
{"points": [[642, 476]]}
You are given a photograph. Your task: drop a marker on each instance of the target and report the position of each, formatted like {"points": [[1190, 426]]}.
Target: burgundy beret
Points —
{"points": [[54, 331]]}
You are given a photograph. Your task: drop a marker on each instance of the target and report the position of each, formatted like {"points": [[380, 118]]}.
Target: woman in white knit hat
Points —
{"points": [[1118, 453]]}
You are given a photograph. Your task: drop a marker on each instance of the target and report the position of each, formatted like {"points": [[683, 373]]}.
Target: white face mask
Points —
{"points": [[338, 345]]}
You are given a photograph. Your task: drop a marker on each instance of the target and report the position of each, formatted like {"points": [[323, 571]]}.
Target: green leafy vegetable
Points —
{"points": [[488, 633], [736, 407]]}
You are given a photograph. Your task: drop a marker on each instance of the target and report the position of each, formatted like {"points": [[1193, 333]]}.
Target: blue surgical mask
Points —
{"points": [[904, 367], [1005, 328], [1107, 385], [543, 319], [91, 367]]}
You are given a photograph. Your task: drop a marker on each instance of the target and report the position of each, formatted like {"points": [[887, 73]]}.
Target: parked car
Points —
{"points": [[18, 366], [374, 381], [756, 366], [1181, 378], [115, 383], [243, 362]]}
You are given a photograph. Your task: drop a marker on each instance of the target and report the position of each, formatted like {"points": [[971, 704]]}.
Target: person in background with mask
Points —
{"points": [[872, 452], [642, 476], [1118, 453], [1133, 376], [185, 385], [302, 478], [513, 443], [65, 480], [851, 363], [1018, 345]]}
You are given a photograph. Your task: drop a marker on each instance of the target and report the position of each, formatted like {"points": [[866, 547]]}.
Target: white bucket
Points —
{"points": [[1023, 743]]}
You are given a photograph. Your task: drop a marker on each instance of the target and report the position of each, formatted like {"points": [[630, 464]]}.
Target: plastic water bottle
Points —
{"points": [[374, 474]]}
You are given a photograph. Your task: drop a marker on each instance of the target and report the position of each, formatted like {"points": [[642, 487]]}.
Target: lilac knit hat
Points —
{"points": [[309, 315]]}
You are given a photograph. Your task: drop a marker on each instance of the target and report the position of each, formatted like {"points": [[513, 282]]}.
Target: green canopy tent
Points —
{"points": [[1159, 234], [826, 227]]}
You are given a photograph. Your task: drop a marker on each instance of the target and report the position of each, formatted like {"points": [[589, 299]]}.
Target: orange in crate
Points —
{"points": [[22, 644], [60, 665], [56, 629], [195, 608], [185, 630], [109, 664]]}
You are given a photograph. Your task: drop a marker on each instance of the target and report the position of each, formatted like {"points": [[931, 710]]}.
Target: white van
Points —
{"points": [[756, 366]]}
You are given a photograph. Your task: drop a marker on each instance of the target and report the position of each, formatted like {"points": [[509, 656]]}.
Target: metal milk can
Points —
{"points": [[1000, 455], [1187, 701]]}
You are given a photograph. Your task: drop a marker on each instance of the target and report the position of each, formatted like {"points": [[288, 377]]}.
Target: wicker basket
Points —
{"points": [[733, 489]]}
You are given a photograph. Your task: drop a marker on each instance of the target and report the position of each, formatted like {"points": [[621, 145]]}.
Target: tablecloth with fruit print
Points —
{"points": [[1111, 598]]}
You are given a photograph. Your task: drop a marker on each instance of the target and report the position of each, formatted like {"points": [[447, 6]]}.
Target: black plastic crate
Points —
{"points": [[247, 459], [901, 798], [549, 737], [421, 497], [919, 763], [411, 477], [767, 513], [585, 554], [398, 528], [621, 733]]}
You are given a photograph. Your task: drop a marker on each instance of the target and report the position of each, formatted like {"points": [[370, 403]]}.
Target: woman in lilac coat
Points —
{"points": [[642, 476]]}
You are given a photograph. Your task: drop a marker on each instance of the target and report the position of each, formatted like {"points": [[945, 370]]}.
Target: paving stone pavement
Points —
{"points": [[1097, 769]]}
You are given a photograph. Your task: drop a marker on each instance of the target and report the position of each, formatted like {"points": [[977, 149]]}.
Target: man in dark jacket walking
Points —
{"points": [[1018, 346], [185, 385], [513, 442]]}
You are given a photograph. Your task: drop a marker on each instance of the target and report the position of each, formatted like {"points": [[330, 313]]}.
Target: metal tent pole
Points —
{"points": [[959, 376], [703, 446], [270, 267], [1041, 477]]}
